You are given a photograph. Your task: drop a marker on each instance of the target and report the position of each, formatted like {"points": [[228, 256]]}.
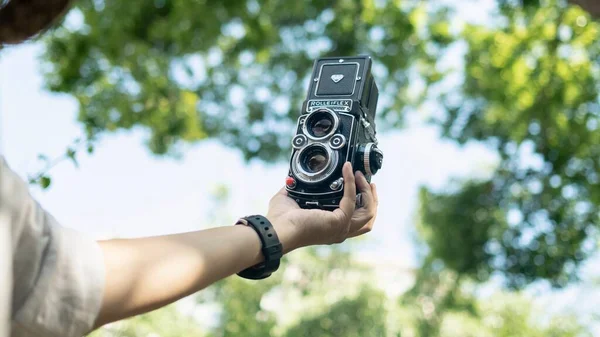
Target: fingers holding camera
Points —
{"points": [[348, 202], [363, 218], [366, 190], [310, 227], [374, 191]]}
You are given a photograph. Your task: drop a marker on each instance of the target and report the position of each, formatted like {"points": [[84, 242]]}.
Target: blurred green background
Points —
{"points": [[522, 81]]}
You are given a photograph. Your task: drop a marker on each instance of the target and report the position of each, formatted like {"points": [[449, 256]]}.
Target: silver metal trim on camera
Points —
{"points": [[299, 141], [349, 154], [336, 144], [315, 177], [336, 123], [367, 159], [335, 104], [356, 77], [337, 184]]}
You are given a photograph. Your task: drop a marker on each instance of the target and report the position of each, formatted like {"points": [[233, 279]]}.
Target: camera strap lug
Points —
{"points": [[369, 129]]}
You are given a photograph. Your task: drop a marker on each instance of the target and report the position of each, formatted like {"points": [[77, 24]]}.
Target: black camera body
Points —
{"points": [[337, 124]]}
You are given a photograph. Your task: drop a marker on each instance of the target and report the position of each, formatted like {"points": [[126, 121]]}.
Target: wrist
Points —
{"points": [[271, 247], [289, 234]]}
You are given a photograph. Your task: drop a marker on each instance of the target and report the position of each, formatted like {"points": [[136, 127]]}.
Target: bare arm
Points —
{"points": [[144, 274], [147, 273]]}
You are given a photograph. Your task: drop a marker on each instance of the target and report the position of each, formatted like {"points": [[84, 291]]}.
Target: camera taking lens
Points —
{"points": [[314, 160], [314, 163]]}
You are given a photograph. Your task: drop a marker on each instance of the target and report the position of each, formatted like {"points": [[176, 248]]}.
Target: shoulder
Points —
{"points": [[58, 273], [11, 184], [15, 199]]}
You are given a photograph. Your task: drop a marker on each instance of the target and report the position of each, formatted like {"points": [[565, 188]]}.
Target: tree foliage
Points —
{"points": [[530, 92], [236, 70]]}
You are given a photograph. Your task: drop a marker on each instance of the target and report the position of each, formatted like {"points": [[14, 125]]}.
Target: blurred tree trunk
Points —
{"points": [[592, 6]]}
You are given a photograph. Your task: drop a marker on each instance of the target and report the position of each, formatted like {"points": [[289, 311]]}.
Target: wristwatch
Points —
{"points": [[272, 249]]}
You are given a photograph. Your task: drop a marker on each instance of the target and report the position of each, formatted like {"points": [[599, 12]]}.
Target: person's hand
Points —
{"points": [[298, 227]]}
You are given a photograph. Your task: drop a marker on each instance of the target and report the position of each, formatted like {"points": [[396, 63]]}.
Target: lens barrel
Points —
{"points": [[321, 124], [314, 160], [314, 163]]}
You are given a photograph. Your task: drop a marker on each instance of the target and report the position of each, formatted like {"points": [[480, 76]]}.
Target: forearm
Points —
{"points": [[147, 273]]}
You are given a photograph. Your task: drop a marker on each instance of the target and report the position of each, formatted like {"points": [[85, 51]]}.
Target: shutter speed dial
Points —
{"points": [[369, 158]]}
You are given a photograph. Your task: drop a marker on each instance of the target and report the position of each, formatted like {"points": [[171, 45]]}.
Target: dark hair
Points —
{"points": [[21, 20]]}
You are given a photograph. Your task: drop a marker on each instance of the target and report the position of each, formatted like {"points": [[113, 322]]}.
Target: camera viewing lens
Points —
{"points": [[321, 127], [314, 160], [321, 123]]}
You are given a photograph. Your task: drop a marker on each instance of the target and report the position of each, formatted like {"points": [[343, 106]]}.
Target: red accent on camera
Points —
{"points": [[290, 182]]}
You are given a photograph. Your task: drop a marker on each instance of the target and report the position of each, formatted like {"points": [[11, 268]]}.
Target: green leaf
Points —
{"points": [[71, 154], [45, 182]]}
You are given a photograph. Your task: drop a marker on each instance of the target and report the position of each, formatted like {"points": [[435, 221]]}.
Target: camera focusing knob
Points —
{"points": [[370, 157], [376, 159]]}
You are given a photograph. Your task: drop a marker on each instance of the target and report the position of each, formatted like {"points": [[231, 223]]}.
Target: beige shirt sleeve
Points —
{"points": [[57, 273]]}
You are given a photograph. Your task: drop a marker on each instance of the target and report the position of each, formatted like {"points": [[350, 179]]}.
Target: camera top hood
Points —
{"points": [[341, 83]]}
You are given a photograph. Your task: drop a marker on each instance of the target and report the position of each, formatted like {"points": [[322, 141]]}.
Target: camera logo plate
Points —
{"points": [[338, 105], [337, 77]]}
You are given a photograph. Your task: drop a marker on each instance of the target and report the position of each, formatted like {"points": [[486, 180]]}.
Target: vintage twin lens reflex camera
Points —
{"points": [[337, 124]]}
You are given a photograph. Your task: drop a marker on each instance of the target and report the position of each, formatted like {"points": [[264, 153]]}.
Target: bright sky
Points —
{"points": [[122, 190]]}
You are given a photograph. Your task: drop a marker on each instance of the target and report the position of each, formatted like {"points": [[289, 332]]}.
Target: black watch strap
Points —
{"points": [[272, 248]]}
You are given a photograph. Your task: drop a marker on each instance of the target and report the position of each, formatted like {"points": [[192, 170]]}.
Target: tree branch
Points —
{"points": [[591, 6]]}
